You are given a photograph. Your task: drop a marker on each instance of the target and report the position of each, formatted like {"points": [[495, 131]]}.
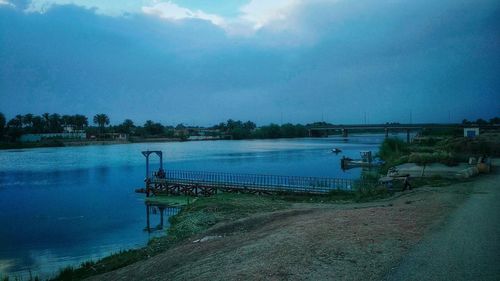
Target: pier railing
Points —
{"points": [[256, 182]]}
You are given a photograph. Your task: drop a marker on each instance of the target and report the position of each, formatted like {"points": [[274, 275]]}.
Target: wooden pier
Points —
{"points": [[198, 183]]}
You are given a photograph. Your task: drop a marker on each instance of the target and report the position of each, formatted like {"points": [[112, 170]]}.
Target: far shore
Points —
{"points": [[68, 143]]}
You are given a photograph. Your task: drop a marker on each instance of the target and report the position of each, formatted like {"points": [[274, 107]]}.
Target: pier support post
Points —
{"points": [[162, 209], [345, 133], [147, 218]]}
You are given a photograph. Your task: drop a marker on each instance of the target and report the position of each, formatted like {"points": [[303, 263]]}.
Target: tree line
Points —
{"points": [[12, 129], [480, 121]]}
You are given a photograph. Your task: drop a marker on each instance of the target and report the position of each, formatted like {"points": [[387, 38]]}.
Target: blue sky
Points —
{"points": [[202, 62]]}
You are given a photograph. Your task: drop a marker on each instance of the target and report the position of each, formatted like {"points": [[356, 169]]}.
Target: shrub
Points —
{"points": [[392, 149]]}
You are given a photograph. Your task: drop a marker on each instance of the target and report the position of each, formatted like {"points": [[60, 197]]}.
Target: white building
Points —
{"points": [[471, 132]]}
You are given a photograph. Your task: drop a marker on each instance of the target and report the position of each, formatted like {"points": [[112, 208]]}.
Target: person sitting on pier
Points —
{"points": [[161, 174]]}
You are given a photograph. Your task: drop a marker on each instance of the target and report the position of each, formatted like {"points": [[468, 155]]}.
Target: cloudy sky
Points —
{"points": [[204, 61]]}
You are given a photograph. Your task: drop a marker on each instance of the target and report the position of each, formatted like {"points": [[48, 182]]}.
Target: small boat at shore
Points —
{"points": [[336, 150]]}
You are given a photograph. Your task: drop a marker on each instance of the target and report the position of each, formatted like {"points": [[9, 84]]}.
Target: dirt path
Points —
{"points": [[466, 247], [309, 242]]}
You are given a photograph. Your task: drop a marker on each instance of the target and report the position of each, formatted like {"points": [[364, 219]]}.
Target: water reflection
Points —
{"points": [[62, 206], [155, 216]]}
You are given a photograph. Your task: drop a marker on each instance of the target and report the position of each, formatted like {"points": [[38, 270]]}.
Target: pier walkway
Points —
{"points": [[208, 183], [194, 183]]}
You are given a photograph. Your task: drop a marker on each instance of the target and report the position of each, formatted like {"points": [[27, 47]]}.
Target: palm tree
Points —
{"points": [[38, 124], [126, 126], [55, 123], [101, 120], [28, 120], [46, 121], [80, 121]]}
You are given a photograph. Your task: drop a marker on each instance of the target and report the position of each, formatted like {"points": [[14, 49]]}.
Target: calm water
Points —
{"points": [[62, 206]]}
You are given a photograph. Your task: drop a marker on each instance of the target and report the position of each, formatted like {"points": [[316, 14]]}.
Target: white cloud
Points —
{"points": [[276, 16], [252, 16], [171, 11], [108, 8], [6, 3], [259, 13]]}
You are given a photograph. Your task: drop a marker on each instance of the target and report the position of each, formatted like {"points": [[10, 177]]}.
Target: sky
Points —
{"points": [[200, 62]]}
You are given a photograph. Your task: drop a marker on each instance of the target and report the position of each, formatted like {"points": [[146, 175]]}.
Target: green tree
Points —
{"points": [[249, 125], [15, 127], [126, 127], [67, 120], [2, 125], [46, 121], [38, 124], [495, 121], [80, 121], [16, 122], [153, 128], [55, 123], [101, 120], [28, 120], [481, 121]]}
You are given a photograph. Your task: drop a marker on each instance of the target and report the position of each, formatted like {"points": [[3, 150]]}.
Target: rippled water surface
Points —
{"points": [[62, 206]]}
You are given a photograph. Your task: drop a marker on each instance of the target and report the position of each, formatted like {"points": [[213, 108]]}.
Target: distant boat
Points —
{"points": [[336, 150]]}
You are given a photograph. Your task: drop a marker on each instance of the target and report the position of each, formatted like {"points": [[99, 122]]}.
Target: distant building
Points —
{"points": [[77, 134], [110, 136], [471, 132]]}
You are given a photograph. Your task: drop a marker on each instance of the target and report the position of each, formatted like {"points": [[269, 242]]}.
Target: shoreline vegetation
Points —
{"points": [[80, 132], [102, 132]]}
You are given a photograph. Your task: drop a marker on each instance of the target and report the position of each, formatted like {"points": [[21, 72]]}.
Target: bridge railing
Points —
{"points": [[258, 182]]}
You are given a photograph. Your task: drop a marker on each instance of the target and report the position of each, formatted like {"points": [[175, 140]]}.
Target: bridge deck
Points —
{"points": [[191, 181]]}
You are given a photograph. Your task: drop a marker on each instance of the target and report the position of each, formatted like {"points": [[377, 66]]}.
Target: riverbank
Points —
{"points": [[307, 241], [200, 217], [301, 240], [66, 143]]}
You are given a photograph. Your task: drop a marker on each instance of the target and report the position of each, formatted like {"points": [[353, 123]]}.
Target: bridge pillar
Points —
{"points": [[345, 133], [386, 132], [408, 135]]}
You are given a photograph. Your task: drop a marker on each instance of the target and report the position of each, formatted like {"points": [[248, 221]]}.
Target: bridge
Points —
{"points": [[199, 183], [324, 131]]}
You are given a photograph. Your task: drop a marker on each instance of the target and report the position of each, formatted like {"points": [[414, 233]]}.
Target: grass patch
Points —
{"points": [[171, 201], [206, 212]]}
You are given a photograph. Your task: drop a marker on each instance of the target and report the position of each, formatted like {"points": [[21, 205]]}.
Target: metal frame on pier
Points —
{"points": [[196, 183]]}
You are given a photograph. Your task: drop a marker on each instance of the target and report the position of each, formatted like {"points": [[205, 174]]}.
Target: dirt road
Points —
{"points": [[465, 247], [337, 242]]}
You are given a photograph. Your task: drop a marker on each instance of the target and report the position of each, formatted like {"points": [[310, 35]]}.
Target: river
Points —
{"points": [[62, 206]]}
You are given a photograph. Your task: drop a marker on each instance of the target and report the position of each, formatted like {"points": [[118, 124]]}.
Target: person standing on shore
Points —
{"points": [[407, 183]]}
